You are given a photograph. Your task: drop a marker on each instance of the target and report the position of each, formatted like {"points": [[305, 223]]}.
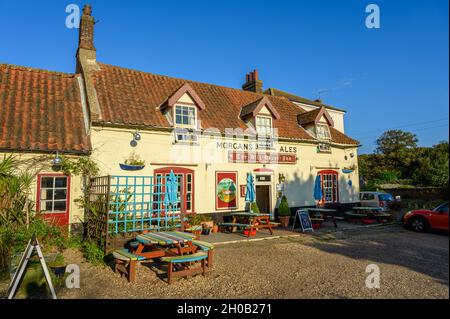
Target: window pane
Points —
{"points": [[60, 206], [61, 182], [47, 194], [60, 194], [47, 182], [46, 205]]}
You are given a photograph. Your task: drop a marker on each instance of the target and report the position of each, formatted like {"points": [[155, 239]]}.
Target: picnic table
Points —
{"points": [[250, 221], [162, 244], [178, 249], [325, 212], [366, 209], [365, 212]]}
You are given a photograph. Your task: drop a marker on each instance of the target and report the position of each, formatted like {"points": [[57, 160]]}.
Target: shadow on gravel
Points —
{"points": [[425, 253]]}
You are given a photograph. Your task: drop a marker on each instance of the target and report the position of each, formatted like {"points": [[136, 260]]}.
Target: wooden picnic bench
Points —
{"points": [[125, 263], [167, 246], [323, 213], [185, 268], [252, 221]]}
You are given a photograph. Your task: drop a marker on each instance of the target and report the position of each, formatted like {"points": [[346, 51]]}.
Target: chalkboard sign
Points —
{"points": [[305, 221]]}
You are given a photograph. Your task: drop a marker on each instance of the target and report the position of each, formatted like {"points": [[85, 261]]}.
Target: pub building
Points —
{"points": [[209, 135]]}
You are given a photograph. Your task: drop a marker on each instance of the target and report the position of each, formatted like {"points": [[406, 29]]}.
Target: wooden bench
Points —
{"points": [[223, 225], [125, 263], [195, 230], [184, 261], [274, 224], [208, 248]]}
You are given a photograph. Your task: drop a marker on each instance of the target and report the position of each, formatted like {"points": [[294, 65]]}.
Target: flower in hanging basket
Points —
{"points": [[133, 163]]}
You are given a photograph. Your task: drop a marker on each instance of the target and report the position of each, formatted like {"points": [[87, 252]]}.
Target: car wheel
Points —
{"points": [[419, 225]]}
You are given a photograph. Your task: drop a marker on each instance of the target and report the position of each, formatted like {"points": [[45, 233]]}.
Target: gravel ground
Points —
{"points": [[327, 266]]}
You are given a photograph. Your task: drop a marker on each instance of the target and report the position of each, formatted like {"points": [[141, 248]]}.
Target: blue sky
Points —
{"points": [[392, 77]]}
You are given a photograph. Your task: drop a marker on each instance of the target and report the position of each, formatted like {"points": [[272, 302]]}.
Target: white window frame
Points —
{"points": [[326, 131], [53, 189], [270, 133], [188, 126]]}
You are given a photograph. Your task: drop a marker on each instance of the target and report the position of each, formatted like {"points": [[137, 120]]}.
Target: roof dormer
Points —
{"points": [[317, 122], [182, 107], [261, 106]]}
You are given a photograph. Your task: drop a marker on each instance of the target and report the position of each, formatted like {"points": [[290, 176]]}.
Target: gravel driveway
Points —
{"points": [[328, 266]]}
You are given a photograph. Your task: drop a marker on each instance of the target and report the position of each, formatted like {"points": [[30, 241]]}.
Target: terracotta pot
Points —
{"points": [[284, 220], [215, 229], [208, 224]]}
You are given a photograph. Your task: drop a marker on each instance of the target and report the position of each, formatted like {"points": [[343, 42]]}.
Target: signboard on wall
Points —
{"points": [[226, 190], [261, 157]]}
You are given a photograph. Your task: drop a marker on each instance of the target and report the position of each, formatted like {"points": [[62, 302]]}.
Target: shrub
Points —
{"points": [[283, 208], [254, 208], [93, 253]]}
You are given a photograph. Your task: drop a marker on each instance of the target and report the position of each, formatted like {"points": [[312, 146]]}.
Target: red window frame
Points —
{"points": [[335, 189], [57, 218], [181, 171]]}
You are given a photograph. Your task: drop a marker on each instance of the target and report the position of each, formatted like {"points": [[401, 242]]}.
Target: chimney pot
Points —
{"points": [[253, 83], [86, 31], [87, 10]]}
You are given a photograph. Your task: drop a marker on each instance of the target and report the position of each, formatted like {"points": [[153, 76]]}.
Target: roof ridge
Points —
{"points": [[260, 95], [306, 100], [32, 69]]}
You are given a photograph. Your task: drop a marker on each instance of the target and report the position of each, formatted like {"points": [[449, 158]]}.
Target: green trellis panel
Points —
{"points": [[136, 203]]}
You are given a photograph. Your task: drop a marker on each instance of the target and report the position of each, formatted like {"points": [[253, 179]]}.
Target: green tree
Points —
{"points": [[431, 166], [398, 150]]}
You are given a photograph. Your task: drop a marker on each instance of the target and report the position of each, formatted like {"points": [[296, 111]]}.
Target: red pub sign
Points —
{"points": [[261, 157]]}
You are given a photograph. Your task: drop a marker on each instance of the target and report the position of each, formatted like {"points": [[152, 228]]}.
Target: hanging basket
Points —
{"points": [[127, 167]]}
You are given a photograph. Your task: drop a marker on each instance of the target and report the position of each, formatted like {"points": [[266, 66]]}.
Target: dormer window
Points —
{"points": [[323, 132], [185, 116], [263, 125]]}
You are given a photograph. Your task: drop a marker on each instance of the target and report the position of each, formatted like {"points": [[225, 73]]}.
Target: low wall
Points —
{"points": [[424, 193]]}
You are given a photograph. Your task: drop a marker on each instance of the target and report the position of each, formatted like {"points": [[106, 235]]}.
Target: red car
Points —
{"points": [[423, 220]]}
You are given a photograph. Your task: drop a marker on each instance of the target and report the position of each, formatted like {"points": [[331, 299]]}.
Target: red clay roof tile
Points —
{"points": [[41, 111], [132, 97]]}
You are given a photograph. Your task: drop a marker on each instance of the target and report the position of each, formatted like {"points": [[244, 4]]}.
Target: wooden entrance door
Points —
{"points": [[263, 198]]}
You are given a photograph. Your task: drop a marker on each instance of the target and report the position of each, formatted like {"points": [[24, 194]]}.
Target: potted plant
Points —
{"points": [[58, 265], [133, 163], [350, 169], [284, 212]]}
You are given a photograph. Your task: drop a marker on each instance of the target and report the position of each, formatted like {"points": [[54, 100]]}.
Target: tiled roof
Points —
{"points": [[130, 97], [308, 117], [299, 99], [41, 111]]}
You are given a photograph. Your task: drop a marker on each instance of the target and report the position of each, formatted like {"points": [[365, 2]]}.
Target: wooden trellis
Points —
{"points": [[119, 207]]}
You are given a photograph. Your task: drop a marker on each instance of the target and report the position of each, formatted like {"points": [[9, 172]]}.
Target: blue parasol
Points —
{"points": [[250, 195], [171, 197], [318, 188]]}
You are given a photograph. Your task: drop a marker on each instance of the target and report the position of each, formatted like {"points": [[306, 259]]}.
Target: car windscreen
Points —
{"points": [[386, 197]]}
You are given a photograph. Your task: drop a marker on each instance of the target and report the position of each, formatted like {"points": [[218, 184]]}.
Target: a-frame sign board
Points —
{"points": [[305, 221], [20, 272]]}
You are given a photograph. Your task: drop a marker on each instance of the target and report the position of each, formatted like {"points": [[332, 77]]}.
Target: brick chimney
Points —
{"points": [[253, 84], [86, 33], [87, 60]]}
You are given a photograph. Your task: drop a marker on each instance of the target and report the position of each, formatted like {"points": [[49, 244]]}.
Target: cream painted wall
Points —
{"points": [[111, 146], [40, 164]]}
